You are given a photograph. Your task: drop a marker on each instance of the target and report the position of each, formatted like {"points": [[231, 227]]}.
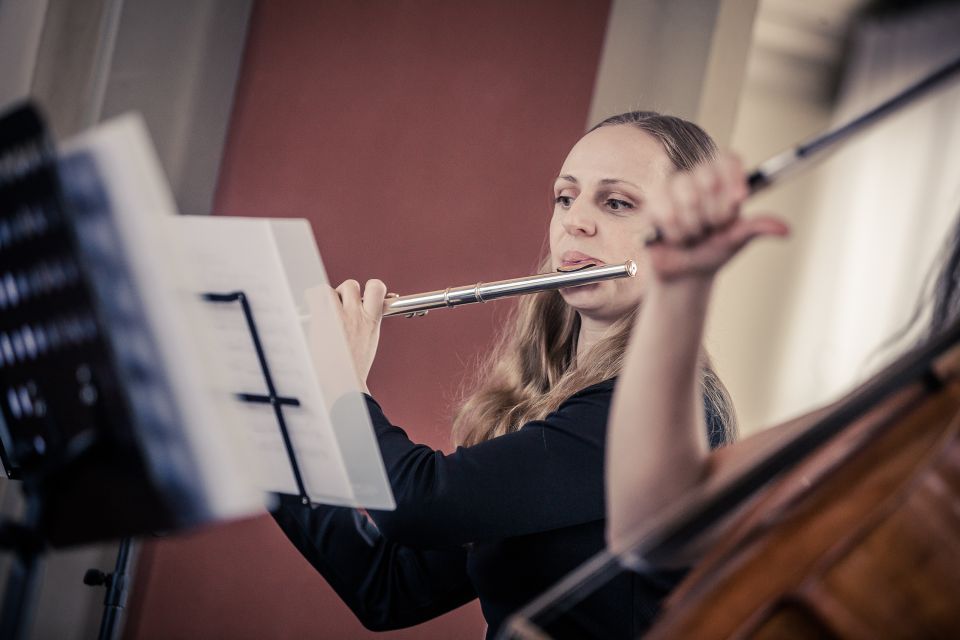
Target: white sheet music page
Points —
{"points": [[333, 366], [273, 262]]}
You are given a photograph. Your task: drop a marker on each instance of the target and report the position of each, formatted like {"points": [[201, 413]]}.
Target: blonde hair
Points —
{"points": [[533, 368]]}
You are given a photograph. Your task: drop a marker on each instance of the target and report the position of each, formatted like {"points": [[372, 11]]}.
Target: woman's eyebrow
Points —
{"points": [[604, 181], [619, 181]]}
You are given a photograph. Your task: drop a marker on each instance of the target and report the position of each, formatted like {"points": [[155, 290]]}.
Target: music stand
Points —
{"points": [[86, 422], [272, 397]]}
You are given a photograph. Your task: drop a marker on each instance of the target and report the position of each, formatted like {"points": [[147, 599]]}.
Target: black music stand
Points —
{"points": [[272, 397], [87, 422], [116, 583]]}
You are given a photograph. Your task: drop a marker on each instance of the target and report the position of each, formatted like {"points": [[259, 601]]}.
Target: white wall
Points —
{"points": [[682, 57], [175, 61], [773, 326], [787, 97], [748, 316]]}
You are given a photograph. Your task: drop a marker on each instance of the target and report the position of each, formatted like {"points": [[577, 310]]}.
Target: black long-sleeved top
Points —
{"points": [[502, 520]]}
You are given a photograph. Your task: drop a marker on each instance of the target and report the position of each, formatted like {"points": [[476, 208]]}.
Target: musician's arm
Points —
{"points": [[657, 448], [387, 585], [656, 451]]}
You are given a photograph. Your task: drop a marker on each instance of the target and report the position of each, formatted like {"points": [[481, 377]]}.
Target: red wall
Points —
{"points": [[420, 138]]}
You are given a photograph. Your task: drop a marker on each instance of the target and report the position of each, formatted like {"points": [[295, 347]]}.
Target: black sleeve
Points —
{"points": [[547, 475], [385, 584], [411, 566]]}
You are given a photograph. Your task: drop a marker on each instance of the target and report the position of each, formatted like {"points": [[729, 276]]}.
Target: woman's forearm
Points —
{"points": [[657, 446]]}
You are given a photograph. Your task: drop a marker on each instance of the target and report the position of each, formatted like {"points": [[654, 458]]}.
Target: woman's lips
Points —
{"points": [[574, 261]]}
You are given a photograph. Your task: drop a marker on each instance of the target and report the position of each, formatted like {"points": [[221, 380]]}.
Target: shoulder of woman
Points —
{"points": [[600, 388], [600, 392], [580, 415]]}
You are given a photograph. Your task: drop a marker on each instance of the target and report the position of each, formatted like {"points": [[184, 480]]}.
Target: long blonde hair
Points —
{"points": [[533, 368]]}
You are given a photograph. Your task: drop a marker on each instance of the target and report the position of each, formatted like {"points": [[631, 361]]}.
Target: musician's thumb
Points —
{"points": [[747, 229]]}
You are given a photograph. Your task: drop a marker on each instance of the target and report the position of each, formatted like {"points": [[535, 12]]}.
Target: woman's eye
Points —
{"points": [[564, 201], [618, 205]]}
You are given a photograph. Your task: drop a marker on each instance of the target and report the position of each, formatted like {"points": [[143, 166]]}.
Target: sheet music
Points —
{"points": [[273, 262], [297, 250], [208, 353]]}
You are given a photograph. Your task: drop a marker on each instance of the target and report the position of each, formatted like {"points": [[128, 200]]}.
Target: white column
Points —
{"points": [[682, 57]]}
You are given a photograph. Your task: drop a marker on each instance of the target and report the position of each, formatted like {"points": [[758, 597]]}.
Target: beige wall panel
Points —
{"points": [[682, 57], [21, 25]]}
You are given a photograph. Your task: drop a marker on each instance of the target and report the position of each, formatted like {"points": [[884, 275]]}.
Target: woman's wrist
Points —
{"points": [[689, 291]]}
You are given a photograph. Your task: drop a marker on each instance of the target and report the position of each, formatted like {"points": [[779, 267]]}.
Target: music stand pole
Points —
{"points": [[116, 583], [23, 579], [272, 396]]}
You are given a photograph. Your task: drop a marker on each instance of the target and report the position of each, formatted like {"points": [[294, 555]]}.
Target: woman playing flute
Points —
{"points": [[520, 503]]}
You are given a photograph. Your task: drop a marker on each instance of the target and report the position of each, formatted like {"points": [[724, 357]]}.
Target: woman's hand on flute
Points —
{"points": [[698, 215], [360, 316]]}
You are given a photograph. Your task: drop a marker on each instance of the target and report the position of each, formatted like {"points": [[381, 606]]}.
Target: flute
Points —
{"points": [[418, 304]]}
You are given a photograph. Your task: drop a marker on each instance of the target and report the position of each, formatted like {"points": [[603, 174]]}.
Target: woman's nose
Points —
{"points": [[579, 219]]}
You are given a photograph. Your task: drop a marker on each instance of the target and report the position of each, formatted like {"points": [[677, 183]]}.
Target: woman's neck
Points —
{"points": [[591, 332]]}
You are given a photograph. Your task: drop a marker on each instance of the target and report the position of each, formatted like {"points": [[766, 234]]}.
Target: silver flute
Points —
{"points": [[419, 303]]}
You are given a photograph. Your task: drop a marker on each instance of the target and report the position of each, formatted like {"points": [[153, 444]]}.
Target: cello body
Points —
{"points": [[861, 540]]}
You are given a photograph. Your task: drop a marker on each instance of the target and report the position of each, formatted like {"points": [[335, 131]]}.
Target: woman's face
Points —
{"points": [[598, 214]]}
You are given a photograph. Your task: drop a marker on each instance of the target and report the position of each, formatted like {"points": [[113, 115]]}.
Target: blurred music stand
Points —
{"points": [[85, 422]]}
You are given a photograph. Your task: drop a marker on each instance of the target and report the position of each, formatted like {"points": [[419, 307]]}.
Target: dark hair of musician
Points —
{"points": [[937, 306], [945, 292]]}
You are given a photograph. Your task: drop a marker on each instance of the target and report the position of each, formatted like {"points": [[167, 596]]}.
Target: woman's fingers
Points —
{"points": [[370, 303], [712, 198], [360, 317], [698, 202], [687, 224], [698, 215], [374, 293], [671, 262], [732, 186], [703, 200], [349, 292], [336, 298]]}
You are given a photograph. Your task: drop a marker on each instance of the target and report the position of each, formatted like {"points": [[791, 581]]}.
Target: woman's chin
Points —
{"points": [[595, 305], [585, 299]]}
